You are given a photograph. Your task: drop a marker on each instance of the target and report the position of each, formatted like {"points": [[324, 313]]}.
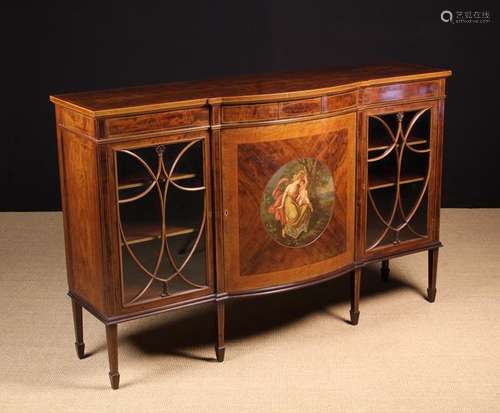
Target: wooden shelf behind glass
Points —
{"points": [[378, 143], [132, 181], [387, 180], [144, 232]]}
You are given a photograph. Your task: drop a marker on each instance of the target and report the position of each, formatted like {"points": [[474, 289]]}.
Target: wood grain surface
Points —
{"points": [[250, 157], [275, 86]]}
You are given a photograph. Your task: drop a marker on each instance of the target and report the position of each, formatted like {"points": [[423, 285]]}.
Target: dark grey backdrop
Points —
{"points": [[66, 46]]}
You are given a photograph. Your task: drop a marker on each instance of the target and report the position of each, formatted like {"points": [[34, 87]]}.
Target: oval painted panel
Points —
{"points": [[297, 203]]}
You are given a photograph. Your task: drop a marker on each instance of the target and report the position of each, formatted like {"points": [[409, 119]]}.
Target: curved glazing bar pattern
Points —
{"points": [[394, 217], [159, 180]]}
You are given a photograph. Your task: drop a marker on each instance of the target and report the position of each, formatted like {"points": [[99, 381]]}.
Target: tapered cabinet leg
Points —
{"points": [[355, 291], [78, 323], [432, 274], [384, 270], [220, 346], [112, 340]]}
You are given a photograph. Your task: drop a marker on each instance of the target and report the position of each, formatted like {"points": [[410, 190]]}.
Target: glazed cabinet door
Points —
{"points": [[288, 201], [163, 225], [399, 161]]}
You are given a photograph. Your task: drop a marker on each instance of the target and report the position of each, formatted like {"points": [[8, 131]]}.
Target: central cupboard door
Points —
{"points": [[288, 200]]}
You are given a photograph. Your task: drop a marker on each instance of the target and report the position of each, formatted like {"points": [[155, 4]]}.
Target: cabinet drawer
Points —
{"points": [[252, 112], [155, 122], [304, 107], [400, 91], [271, 111], [340, 102]]}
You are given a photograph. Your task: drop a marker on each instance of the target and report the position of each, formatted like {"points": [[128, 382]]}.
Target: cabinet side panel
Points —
{"points": [[82, 217], [438, 165], [60, 160]]}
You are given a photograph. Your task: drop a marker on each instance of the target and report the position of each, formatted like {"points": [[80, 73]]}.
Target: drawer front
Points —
{"points": [[271, 111], [304, 107], [248, 113], [400, 91], [340, 102], [155, 122]]}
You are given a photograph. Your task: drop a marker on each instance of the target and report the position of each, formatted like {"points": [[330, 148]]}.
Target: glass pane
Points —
{"points": [[398, 167], [162, 220]]}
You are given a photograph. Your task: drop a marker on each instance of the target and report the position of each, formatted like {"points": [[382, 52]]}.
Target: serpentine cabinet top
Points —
{"points": [[242, 89]]}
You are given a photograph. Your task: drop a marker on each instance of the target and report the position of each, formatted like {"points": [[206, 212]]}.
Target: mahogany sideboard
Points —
{"points": [[194, 192]]}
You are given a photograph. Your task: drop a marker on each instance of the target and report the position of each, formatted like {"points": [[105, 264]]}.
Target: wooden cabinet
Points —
{"points": [[194, 192]]}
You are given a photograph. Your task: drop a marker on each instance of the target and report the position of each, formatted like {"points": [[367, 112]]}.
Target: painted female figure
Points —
{"points": [[292, 207]]}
